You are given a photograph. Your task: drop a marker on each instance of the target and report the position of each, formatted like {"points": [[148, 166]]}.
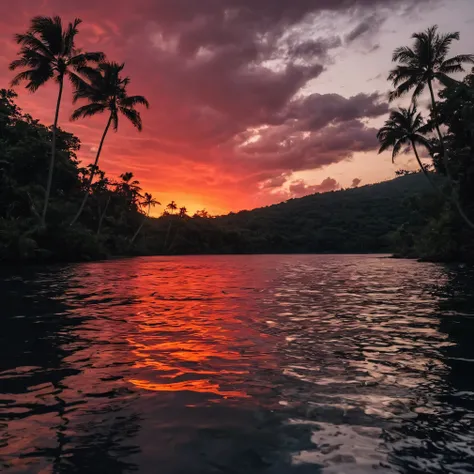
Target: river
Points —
{"points": [[237, 364]]}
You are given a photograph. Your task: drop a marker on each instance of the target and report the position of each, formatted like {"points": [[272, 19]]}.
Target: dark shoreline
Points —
{"points": [[60, 262]]}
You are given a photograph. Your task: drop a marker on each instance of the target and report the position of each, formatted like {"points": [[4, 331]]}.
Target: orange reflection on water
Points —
{"points": [[201, 386], [191, 333]]}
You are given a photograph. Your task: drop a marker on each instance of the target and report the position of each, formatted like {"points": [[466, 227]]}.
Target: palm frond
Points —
{"points": [[68, 36], [133, 116], [133, 100], [419, 89], [459, 59], [30, 41], [92, 74], [397, 148], [401, 90], [421, 140], [81, 60], [88, 110], [451, 69], [15, 64], [35, 77], [50, 31], [445, 79], [31, 59], [404, 73], [385, 144], [403, 54], [78, 85], [426, 36], [443, 42]]}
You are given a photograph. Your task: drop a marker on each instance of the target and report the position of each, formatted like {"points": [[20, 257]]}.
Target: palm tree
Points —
{"points": [[204, 214], [106, 91], [148, 202], [404, 127], [421, 65], [129, 188], [182, 212], [172, 206], [48, 52]]}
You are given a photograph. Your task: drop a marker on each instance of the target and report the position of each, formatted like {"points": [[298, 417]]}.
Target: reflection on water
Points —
{"points": [[249, 364]]}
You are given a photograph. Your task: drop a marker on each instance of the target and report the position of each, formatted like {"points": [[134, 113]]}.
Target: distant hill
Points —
{"points": [[349, 221]]}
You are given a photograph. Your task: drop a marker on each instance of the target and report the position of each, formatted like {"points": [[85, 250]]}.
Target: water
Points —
{"points": [[240, 364]]}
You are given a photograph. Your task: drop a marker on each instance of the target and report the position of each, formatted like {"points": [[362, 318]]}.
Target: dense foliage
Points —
{"points": [[441, 232], [24, 158], [445, 230]]}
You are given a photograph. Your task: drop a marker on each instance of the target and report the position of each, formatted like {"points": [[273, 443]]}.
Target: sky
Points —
{"points": [[252, 102]]}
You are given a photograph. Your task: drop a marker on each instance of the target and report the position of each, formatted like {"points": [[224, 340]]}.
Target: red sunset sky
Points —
{"points": [[252, 101]]}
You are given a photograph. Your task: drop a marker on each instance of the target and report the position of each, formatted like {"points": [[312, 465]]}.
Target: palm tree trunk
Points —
{"points": [[428, 177], [102, 216], [141, 225], [89, 183], [446, 161], [53, 154]]}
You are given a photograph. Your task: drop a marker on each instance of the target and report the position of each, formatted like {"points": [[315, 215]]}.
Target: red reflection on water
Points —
{"points": [[202, 386], [191, 332]]}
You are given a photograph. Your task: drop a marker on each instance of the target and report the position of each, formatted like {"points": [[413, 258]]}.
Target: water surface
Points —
{"points": [[238, 364]]}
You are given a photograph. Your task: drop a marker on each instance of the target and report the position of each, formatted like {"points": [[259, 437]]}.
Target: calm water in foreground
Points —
{"points": [[240, 364]]}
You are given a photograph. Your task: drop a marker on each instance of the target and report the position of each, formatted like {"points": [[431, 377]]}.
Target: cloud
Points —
{"points": [[226, 81], [316, 111], [356, 182], [366, 27], [313, 49], [299, 188], [275, 182]]}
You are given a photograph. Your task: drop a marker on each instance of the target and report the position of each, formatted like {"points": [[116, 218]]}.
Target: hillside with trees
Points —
{"points": [[349, 221]]}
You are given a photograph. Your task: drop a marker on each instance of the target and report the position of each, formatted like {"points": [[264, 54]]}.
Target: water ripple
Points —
{"points": [[274, 364]]}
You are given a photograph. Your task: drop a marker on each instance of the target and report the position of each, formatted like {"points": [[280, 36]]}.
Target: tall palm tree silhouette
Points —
{"points": [[48, 51], [405, 127], [106, 91], [419, 67]]}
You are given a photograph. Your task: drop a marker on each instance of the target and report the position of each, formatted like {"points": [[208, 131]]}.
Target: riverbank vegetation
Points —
{"points": [[54, 208], [444, 228]]}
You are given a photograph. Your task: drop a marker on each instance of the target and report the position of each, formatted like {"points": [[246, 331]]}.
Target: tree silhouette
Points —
{"points": [[404, 127], [48, 52], [172, 206], [130, 189], [418, 67], [106, 91], [204, 214], [148, 203], [182, 212]]}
